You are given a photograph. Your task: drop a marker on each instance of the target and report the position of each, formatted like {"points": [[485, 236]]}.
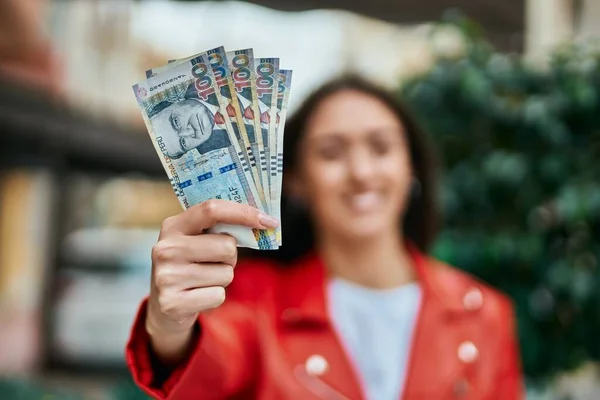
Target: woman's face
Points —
{"points": [[354, 166]]}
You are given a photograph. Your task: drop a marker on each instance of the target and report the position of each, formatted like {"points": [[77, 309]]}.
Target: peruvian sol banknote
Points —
{"points": [[267, 77], [219, 74], [220, 67], [241, 66], [276, 142], [241, 125], [184, 117]]}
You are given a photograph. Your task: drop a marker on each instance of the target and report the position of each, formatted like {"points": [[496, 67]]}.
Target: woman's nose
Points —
{"points": [[361, 165]]}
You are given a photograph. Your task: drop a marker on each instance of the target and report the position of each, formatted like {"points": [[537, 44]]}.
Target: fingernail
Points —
{"points": [[267, 221]]}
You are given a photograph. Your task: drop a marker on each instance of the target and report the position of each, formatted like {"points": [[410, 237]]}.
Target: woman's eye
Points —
{"points": [[380, 146], [384, 142], [330, 152]]}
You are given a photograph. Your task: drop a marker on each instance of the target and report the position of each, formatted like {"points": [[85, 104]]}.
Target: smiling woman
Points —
{"points": [[361, 129], [359, 311]]}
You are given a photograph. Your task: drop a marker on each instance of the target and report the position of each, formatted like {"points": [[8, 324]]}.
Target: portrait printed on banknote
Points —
{"points": [[187, 123]]}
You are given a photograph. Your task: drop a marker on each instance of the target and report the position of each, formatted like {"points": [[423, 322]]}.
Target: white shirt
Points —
{"points": [[376, 328]]}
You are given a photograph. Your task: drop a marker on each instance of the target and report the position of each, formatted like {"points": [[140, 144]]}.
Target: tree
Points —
{"points": [[521, 186]]}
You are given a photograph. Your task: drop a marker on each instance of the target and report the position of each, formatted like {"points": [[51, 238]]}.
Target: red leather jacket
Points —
{"points": [[272, 340]]}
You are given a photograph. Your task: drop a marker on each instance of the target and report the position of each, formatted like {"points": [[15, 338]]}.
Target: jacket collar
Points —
{"points": [[303, 298]]}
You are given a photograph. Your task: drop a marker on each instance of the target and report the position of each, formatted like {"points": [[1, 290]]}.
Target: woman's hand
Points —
{"points": [[191, 269]]}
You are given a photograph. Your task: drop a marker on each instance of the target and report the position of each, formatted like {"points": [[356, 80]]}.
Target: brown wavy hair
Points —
{"points": [[421, 219]]}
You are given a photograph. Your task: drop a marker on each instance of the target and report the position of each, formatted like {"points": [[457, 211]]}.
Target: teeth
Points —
{"points": [[365, 201]]}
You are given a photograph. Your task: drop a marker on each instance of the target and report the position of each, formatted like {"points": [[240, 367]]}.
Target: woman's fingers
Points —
{"points": [[203, 299], [207, 214], [193, 276], [210, 248], [180, 306]]}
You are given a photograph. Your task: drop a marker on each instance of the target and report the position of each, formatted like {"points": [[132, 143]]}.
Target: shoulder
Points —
{"points": [[467, 293]]}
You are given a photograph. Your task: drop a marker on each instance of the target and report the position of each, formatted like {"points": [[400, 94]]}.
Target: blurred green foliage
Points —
{"points": [[521, 186], [26, 389], [17, 389]]}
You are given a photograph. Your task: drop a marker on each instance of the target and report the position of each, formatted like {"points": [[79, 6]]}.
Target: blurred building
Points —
{"points": [[114, 45]]}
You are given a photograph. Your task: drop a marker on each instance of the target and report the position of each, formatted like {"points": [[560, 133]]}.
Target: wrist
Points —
{"points": [[160, 326], [171, 346]]}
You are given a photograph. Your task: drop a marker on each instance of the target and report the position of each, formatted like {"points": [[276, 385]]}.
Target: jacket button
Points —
{"points": [[316, 365], [467, 352], [473, 300]]}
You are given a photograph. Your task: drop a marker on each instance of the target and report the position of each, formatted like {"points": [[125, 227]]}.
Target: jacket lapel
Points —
{"points": [[323, 366], [434, 368]]}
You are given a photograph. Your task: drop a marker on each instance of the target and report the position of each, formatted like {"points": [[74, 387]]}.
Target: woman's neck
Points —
{"points": [[380, 263]]}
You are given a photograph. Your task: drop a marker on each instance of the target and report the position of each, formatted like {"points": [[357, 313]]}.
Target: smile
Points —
{"points": [[364, 202]]}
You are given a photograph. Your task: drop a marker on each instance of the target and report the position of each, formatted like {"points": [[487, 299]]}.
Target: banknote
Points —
{"points": [[241, 126], [241, 65], [276, 163], [225, 110], [183, 112], [267, 76], [220, 67]]}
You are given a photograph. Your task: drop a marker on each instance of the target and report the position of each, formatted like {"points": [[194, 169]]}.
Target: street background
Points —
{"points": [[509, 90]]}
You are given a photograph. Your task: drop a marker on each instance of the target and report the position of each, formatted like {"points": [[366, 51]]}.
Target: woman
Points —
{"points": [[358, 312]]}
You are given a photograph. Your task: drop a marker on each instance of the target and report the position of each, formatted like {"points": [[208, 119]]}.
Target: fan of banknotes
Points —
{"points": [[216, 120]]}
